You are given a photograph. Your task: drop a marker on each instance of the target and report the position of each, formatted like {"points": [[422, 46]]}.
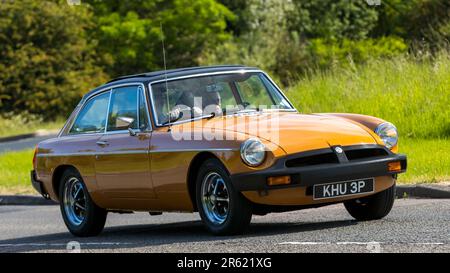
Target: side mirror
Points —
{"points": [[125, 123]]}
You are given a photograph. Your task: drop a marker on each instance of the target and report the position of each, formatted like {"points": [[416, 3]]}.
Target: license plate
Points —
{"points": [[345, 188]]}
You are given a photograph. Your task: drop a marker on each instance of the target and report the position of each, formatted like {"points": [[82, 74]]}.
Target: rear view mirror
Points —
{"points": [[125, 124]]}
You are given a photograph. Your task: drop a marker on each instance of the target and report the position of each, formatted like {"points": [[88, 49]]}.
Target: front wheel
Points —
{"points": [[372, 207], [81, 215], [223, 210]]}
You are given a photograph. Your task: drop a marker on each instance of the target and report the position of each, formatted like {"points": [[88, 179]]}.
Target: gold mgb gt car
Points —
{"points": [[223, 141]]}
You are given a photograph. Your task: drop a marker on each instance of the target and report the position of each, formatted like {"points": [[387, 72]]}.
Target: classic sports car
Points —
{"points": [[223, 141]]}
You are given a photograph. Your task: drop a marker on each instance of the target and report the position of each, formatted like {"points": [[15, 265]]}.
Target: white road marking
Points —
{"points": [[282, 243], [358, 243], [65, 244], [305, 243], [355, 243]]}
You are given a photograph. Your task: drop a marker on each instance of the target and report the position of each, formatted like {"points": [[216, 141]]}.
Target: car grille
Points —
{"points": [[331, 158], [312, 160], [357, 154]]}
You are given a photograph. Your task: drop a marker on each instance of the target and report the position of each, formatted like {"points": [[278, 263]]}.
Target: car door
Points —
{"points": [[80, 142], [122, 164]]}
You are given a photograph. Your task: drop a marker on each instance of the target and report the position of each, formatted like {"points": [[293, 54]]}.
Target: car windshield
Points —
{"points": [[215, 95]]}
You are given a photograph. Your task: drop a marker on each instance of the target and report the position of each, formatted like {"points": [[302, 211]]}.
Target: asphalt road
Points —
{"points": [[27, 143], [414, 225]]}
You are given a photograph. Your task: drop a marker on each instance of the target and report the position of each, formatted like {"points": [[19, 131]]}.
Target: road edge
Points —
{"points": [[434, 191], [25, 200], [38, 133], [437, 191]]}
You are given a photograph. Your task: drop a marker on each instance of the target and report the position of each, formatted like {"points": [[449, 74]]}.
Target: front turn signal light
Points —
{"points": [[279, 180], [395, 166]]}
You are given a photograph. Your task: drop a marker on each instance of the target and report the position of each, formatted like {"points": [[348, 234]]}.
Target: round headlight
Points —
{"points": [[253, 152], [388, 133]]}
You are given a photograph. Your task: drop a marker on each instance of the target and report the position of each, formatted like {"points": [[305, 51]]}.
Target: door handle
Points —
{"points": [[102, 143]]}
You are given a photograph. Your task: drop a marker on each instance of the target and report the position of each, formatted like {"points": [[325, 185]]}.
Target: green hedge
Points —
{"points": [[412, 93]]}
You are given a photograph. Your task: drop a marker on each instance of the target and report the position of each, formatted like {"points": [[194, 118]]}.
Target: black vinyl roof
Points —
{"points": [[172, 73]]}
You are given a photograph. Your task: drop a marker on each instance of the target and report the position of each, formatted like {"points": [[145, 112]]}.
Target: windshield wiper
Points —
{"points": [[235, 112], [210, 116], [243, 111], [172, 120]]}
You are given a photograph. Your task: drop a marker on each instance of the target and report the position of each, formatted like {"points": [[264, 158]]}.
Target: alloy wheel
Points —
{"points": [[215, 198], [75, 201]]}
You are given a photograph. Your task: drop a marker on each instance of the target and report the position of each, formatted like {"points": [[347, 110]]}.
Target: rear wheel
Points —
{"points": [[223, 210], [81, 215], [372, 207]]}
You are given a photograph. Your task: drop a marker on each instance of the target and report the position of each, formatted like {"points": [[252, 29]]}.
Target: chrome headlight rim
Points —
{"points": [[253, 143], [388, 140]]}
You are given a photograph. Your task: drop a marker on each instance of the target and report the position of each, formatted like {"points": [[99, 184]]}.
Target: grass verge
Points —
{"points": [[15, 172], [428, 162]]}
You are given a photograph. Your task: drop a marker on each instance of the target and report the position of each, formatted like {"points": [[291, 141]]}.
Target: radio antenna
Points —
{"points": [[165, 75]]}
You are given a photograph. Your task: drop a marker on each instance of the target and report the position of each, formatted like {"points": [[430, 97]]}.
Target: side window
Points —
{"points": [[143, 116], [124, 103], [92, 118]]}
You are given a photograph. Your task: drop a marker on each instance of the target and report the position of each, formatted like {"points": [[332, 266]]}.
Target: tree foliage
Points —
{"points": [[51, 53], [130, 32], [415, 20], [333, 20], [46, 59], [289, 38]]}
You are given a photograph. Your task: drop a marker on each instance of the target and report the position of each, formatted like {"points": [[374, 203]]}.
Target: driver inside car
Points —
{"points": [[212, 100], [162, 114], [189, 104]]}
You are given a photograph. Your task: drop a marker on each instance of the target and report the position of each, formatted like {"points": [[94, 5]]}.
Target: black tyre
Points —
{"points": [[223, 210], [372, 207], [81, 215]]}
